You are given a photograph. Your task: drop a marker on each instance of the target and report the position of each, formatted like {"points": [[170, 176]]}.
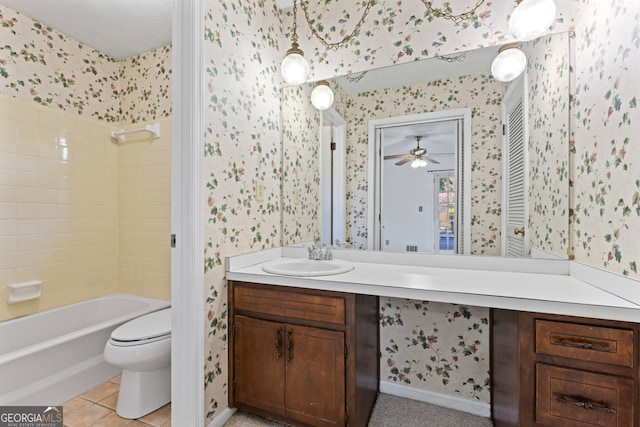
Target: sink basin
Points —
{"points": [[308, 267]]}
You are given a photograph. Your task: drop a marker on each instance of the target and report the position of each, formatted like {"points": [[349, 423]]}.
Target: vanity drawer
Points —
{"points": [[585, 342], [320, 308], [573, 398]]}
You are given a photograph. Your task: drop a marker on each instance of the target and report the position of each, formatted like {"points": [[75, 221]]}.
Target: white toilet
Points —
{"points": [[142, 348]]}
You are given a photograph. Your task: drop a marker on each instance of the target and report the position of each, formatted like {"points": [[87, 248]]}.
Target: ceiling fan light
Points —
{"points": [[418, 163], [322, 95], [509, 63], [531, 19], [294, 67]]}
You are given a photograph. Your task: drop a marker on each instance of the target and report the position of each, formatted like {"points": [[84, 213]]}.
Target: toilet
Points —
{"points": [[142, 348]]}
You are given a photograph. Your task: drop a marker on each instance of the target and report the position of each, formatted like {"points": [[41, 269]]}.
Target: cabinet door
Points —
{"points": [[315, 376], [259, 364]]}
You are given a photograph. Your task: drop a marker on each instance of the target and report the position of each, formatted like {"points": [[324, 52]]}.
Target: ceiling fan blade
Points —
{"points": [[406, 159], [431, 159], [394, 156]]}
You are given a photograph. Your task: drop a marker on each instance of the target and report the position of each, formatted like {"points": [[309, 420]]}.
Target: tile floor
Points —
{"points": [[97, 408]]}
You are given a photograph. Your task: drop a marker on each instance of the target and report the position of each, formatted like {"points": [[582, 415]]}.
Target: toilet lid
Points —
{"points": [[148, 327]]}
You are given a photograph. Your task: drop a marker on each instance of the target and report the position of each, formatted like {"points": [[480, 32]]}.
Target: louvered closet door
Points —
{"points": [[515, 173]]}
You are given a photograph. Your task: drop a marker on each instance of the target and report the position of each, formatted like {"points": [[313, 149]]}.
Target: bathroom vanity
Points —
{"points": [[303, 356], [550, 370], [564, 346]]}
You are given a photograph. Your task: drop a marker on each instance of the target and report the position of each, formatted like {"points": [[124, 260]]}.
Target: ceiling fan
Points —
{"points": [[418, 155]]}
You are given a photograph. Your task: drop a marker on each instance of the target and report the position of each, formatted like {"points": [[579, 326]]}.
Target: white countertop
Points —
{"points": [[545, 286]]}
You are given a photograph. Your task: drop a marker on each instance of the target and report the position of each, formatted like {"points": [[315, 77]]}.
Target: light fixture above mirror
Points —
{"points": [[322, 95], [531, 19], [294, 67], [509, 63]]}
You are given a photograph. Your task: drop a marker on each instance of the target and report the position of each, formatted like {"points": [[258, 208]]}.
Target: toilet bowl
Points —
{"points": [[142, 348]]}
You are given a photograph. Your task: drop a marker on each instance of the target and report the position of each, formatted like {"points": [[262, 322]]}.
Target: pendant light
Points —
{"points": [[322, 95], [531, 19], [294, 67], [509, 63]]}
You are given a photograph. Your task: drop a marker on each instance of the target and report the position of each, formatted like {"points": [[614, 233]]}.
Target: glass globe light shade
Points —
{"points": [[322, 96], [418, 163], [531, 19], [509, 63], [294, 68]]}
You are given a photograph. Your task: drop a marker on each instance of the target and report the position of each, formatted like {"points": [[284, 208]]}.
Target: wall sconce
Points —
{"points": [[531, 19], [294, 67], [509, 63], [322, 95]]}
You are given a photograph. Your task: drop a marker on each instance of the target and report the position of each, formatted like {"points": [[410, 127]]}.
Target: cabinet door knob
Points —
{"points": [[517, 231]]}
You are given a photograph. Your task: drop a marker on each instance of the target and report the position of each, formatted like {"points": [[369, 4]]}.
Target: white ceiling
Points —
{"points": [[118, 28]]}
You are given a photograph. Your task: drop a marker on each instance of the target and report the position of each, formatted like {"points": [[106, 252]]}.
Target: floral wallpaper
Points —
{"points": [[300, 167], [439, 347], [606, 210], [241, 149], [145, 86], [40, 64], [548, 227]]}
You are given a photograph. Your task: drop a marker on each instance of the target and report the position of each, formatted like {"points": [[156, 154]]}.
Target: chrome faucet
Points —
{"points": [[320, 252]]}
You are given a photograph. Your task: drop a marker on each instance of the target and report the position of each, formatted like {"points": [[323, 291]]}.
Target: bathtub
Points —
{"points": [[49, 357]]}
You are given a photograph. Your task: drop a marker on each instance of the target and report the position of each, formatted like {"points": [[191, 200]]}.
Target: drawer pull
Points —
{"points": [[278, 344], [585, 346], [585, 405]]}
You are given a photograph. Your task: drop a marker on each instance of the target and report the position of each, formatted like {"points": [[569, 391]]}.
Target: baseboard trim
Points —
{"points": [[221, 419], [469, 406]]}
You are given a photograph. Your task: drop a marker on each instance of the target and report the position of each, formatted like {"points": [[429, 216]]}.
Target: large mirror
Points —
{"points": [[341, 193]]}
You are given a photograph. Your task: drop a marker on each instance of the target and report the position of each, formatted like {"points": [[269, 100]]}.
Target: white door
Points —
{"points": [[515, 172]]}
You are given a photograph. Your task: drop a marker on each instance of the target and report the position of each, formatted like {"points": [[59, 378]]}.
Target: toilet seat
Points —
{"points": [[142, 330]]}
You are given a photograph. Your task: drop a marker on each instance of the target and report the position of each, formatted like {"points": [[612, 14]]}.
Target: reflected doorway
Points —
{"points": [[418, 180]]}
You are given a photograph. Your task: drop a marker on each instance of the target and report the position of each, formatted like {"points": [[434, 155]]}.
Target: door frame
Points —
{"points": [[187, 214], [332, 195], [375, 156]]}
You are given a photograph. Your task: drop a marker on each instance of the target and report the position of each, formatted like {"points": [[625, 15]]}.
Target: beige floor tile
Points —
{"points": [[112, 420], [100, 392], [137, 423], [167, 424], [110, 401], [87, 416], [115, 379], [158, 417], [74, 405]]}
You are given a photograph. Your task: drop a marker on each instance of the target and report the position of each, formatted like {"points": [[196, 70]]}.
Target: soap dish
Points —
{"points": [[24, 291]]}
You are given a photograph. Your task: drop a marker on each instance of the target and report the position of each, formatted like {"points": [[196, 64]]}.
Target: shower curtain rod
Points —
{"points": [[120, 134]]}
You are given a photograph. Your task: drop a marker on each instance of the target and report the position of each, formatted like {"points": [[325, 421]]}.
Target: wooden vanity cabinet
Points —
{"points": [[550, 370], [303, 357]]}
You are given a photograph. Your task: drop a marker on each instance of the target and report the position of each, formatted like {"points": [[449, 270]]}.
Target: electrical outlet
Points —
{"points": [[260, 190]]}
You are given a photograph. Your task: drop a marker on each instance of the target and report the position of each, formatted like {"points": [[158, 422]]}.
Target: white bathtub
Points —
{"points": [[49, 357]]}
